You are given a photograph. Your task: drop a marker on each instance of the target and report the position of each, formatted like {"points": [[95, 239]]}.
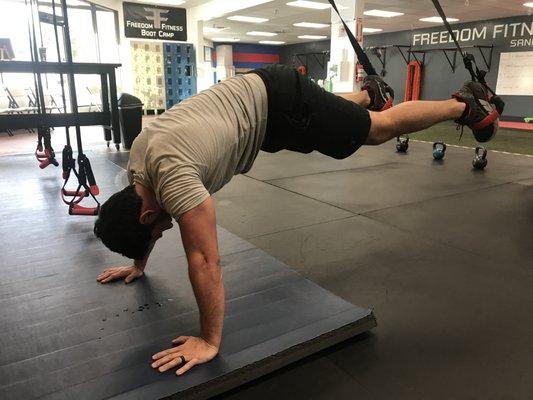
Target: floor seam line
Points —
{"points": [[301, 227], [364, 213], [426, 238], [303, 195], [321, 172]]}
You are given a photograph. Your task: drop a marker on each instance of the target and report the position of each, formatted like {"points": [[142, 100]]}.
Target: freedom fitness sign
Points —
{"points": [[514, 33], [148, 21]]}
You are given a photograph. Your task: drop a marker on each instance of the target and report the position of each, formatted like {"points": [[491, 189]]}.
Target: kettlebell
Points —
{"points": [[402, 143], [480, 158], [439, 150]]}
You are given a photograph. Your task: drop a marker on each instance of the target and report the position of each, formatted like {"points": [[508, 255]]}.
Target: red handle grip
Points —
{"points": [[95, 190], [74, 193], [80, 210], [44, 163], [72, 197]]}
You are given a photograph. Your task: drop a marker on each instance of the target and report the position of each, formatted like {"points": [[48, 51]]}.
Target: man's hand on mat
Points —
{"points": [[128, 273], [190, 351]]}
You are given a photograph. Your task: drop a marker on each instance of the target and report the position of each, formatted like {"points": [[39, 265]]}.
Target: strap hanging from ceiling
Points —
{"points": [[361, 55], [86, 182], [469, 61]]}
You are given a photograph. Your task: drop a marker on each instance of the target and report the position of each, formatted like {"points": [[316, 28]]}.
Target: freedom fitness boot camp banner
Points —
{"points": [[148, 21]]}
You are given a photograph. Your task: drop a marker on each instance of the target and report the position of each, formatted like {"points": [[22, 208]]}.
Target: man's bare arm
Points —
{"points": [[199, 236]]}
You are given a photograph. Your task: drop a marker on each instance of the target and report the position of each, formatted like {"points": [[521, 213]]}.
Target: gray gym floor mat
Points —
{"points": [[384, 186], [448, 289], [286, 164], [504, 212], [65, 336]]}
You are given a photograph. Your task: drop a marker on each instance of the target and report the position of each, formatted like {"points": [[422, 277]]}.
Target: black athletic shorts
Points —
{"points": [[304, 117]]}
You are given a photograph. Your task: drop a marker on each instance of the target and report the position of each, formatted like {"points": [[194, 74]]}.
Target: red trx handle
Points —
{"points": [[75, 193], [95, 190], [76, 196], [76, 209], [45, 159], [44, 163], [86, 184]]}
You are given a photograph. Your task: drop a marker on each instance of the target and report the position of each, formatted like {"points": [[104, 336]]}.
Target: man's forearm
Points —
{"points": [[208, 286]]}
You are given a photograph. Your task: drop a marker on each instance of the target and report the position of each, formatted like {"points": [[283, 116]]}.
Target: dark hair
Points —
{"points": [[118, 225]]}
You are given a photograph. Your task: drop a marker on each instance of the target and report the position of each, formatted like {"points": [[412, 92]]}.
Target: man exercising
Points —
{"points": [[191, 151]]}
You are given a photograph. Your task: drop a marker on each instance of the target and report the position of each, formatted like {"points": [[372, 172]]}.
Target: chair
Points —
{"points": [[50, 104], [5, 108], [95, 98], [21, 102]]}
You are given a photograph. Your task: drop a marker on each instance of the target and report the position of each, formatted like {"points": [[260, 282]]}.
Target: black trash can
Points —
{"points": [[131, 114]]}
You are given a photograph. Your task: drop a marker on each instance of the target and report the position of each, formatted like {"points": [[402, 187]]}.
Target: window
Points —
{"points": [[93, 31], [107, 36], [82, 37], [14, 26]]}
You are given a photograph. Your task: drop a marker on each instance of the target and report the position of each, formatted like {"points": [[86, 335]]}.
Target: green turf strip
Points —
{"points": [[510, 140]]}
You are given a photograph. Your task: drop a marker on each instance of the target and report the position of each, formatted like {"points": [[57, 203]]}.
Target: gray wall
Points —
{"points": [[315, 71], [438, 79]]}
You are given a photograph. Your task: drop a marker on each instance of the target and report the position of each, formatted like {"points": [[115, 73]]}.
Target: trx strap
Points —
{"points": [[469, 61], [63, 97], [44, 142], [363, 59], [361, 55], [44, 153], [86, 182]]}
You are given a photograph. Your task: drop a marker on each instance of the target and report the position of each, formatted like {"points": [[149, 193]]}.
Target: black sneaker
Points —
{"points": [[381, 94], [480, 113]]}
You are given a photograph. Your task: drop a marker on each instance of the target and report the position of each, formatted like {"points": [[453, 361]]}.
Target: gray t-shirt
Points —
{"points": [[197, 146]]}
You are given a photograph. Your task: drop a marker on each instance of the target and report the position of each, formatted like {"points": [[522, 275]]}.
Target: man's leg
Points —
{"points": [[304, 117], [411, 116], [362, 98], [375, 94]]}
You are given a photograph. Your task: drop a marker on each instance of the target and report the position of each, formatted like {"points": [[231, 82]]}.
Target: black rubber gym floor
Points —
{"points": [[64, 336], [441, 253]]}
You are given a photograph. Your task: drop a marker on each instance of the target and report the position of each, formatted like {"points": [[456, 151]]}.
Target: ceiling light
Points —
{"points": [[222, 39], [271, 42], [438, 20], [309, 4], [384, 14], [243, 18], [212, 29], [529, 4], [371, 30], [311, 25], [256, 33], [160, 2], [312, 37]]}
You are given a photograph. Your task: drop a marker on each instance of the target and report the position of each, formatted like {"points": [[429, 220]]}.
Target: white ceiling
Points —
{"points": [[281, 17], [193, 3]]}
